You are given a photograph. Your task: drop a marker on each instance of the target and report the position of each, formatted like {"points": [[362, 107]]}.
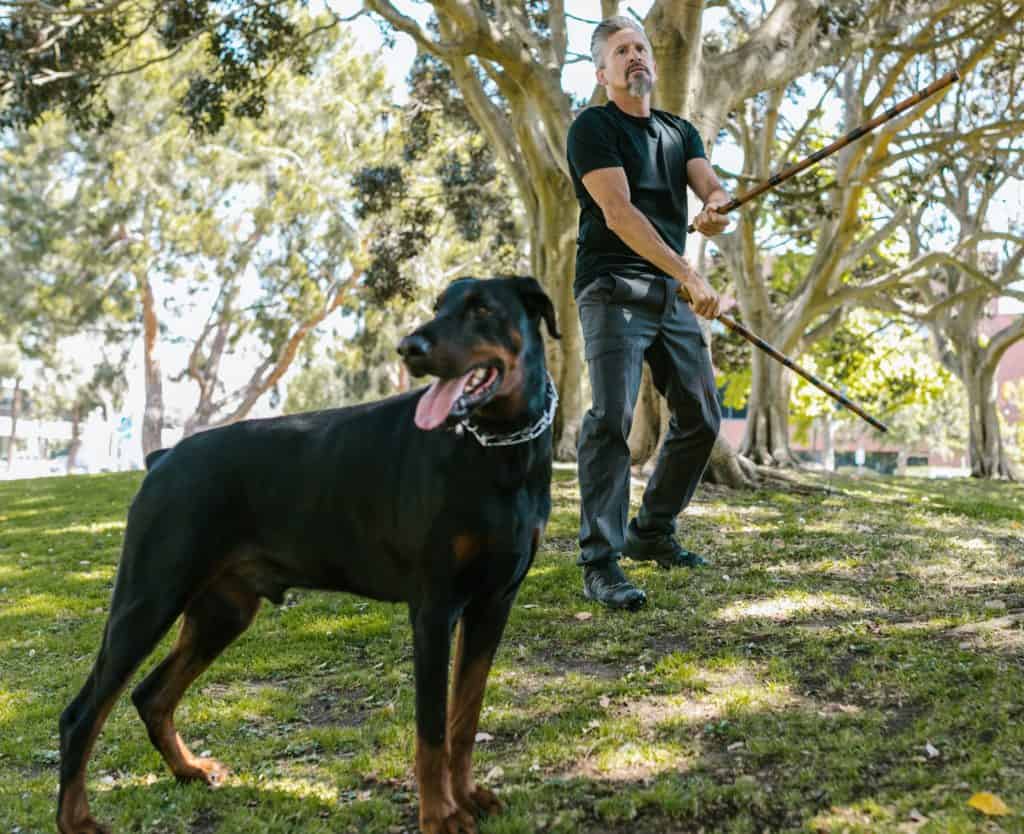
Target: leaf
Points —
{"points": [[584, 615], [931, 750], [989, 804], [483, 737]]}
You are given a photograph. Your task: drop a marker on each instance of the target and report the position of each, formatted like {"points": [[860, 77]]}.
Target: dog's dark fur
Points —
{"points": [[354, 499]]}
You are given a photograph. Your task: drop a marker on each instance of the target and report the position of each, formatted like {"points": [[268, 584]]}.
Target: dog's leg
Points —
{"points": [[432, 632], [134, 627], [479, 635], [211, 623]]}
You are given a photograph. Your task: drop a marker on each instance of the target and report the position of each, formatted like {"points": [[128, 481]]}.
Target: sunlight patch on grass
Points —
{"points": [[790, 605], [325, 791], [365, 624], [633, 760], [8, 573], [863, 817], [48, 605], [11, 700], [96, 528]]}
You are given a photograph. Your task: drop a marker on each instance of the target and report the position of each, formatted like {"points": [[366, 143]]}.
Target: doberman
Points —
{"points": [[437, 498]]}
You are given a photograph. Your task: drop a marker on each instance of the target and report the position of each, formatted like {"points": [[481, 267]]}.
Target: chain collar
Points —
{"points": [[523, 435]]}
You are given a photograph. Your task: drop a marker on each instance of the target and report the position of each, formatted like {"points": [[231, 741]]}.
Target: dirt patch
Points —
{"points": [[204, 822], [567, 664], [223, 690], [338, 708], [900, 718], [654, 710]]}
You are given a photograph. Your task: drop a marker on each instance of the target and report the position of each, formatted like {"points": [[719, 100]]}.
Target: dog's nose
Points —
{"points": [[414, 346]]}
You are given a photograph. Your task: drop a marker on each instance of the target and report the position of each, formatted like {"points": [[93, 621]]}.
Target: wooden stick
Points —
{"points": [[852, 136]]}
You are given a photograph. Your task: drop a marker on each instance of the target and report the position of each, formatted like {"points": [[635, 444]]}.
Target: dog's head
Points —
{"points": [[481, 344]]}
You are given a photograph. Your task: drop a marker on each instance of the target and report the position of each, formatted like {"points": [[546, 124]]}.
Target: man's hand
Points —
{"points": [[709, 222], [703, 298]]}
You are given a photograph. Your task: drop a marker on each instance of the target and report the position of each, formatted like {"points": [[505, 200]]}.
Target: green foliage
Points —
{"points": [[448, 179], [240, 42], [886, 366]]}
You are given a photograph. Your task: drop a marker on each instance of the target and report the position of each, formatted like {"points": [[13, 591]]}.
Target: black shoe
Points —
{"points": [[660, 547], [607, 584]]}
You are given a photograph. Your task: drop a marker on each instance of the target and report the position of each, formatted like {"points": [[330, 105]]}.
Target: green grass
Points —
{"points": [[791, 686]]}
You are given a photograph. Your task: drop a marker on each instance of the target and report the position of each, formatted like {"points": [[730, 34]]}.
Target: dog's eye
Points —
{"points": [[480, 312]]}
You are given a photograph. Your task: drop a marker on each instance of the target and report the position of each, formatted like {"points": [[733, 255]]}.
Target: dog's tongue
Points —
{"points": [[435, 405]]}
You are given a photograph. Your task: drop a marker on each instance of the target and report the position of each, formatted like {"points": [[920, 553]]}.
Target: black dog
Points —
{"points": [[378, 500]]}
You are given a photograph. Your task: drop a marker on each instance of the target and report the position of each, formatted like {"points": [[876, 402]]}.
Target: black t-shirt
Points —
{"points": [[653, 151]]}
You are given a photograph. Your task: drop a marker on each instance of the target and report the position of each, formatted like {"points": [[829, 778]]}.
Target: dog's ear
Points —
{"points": [[537, 302]]}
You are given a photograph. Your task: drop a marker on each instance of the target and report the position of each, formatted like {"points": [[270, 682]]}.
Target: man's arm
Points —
{"points": [[610, 190], [702, 179]]}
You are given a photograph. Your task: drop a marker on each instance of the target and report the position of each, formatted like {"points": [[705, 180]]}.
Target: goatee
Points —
{"points": [[639, 84]]}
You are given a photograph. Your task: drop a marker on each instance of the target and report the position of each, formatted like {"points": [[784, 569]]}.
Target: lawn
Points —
{"points": [[851, 660]]}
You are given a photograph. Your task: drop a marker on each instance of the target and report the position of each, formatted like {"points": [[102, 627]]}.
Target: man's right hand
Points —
{"points": [[703, 298]]}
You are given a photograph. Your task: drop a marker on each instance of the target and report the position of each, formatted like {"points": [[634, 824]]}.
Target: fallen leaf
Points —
{"points": [[584, 615], [917, 816], [605, 702], [933, 752], [989, 804], [483, 737], [495, 774]]}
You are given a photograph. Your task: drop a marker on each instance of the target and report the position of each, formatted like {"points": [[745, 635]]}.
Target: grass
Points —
{"points": [[846, 663]]}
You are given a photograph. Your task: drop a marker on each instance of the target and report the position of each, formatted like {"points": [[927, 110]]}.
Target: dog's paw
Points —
{"points": [[448, 818], [480, 801], [88, 825], [210, 771]]}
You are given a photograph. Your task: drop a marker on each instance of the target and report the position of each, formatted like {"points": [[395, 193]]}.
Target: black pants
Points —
{"points": [[620, 330]]}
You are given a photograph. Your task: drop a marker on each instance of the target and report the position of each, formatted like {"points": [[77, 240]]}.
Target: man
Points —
{"points": [[630, 167]]}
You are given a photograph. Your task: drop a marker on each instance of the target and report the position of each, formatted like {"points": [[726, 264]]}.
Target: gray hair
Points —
{"points": [[608, 27]]}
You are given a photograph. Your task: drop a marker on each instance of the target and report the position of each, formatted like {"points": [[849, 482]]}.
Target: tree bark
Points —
{"points": [[986, 453], [829, 434], [153, 416], [766, 435], [648, 426], [726, 468], [76, 437], [15, 409]]}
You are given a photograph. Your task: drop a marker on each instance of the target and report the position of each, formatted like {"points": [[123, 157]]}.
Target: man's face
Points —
{"points": [[628, 64]]}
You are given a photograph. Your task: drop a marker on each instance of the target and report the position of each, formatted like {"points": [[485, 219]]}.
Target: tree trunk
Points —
{"points": [[648, 426], [76, 438], [766, 436], [153, 417], [829, 458], [987, 454], [15, 408], [726, 468], [553, 259]]}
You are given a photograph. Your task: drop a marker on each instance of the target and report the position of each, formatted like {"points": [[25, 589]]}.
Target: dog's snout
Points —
{"points": [[414, 346]]}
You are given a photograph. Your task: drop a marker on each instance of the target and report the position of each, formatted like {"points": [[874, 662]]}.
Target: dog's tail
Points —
{"points": [[153, 457]]}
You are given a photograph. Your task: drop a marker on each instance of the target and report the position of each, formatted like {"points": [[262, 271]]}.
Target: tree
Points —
{"points": [[506, 59], [960, 258], [836, 240], [9, 369], [887, 366], [263, 206]]}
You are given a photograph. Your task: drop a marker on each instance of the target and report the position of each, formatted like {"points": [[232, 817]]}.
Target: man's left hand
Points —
{"points": [[709, 222]]}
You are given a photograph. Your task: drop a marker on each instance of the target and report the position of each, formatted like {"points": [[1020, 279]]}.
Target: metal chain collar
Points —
{"points": [[523, 435]]}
